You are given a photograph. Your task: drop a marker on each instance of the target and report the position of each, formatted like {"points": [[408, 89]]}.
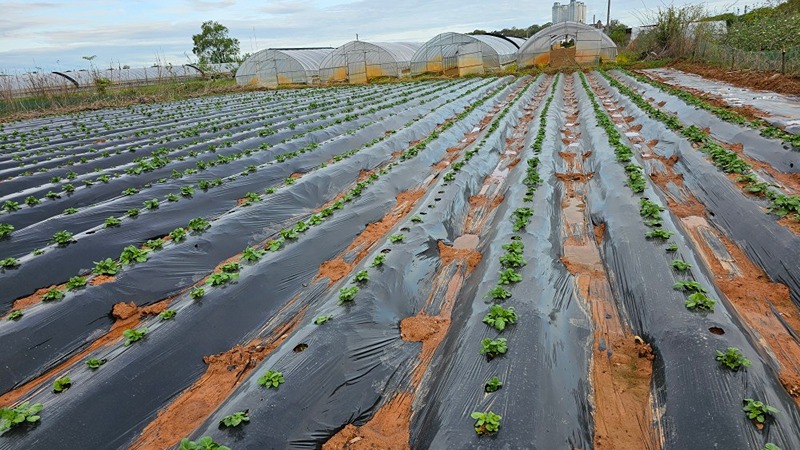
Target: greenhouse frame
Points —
{"points": [[280, 66], [567, 44], [360, 61], [458, 54]]}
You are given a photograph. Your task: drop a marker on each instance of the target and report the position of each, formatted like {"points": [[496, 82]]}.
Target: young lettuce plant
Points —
{"points": [[509, 276], [18, 415], [396, 238], [112, 222], [688, 286], [699, 300], [378, 261], [76, 283], [499, 317], [106, 267], [235, 419], [177, 235], [499, 293], [733, 358], [132, 335], [486, 423], [271, 379], [9, 263], [61, 384], [493, 347], [133, 255], [658, 233], [361, 277], [493, 385], [218, 279], [62, 238], [167, 314], [155, 244], [198, 225], [16, 314], [53, 294], [5, 230], [757, 411], [95, 363], [347, 294], [252, 254], [512, 260], [197, 293], [204, 443], [322, 319], [681, 265]]}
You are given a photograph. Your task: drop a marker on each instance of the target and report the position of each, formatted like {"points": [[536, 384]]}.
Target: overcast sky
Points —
{"points": [[55, 35]]}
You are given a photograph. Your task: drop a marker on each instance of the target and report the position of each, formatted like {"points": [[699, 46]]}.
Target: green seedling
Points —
{"points": [[486, 423], [658, 233], [770, 446], [70, 211], [218, 279], [316, 219], [512, 260], [178, 234], [5, 230], [699, 300], [198, 225], [133, 212], [733, 358], [672, 248], [10, 206], [378, 261], [289, 233], [133, 255], [347, 294], [688, 286], [151, 204], [167, 314], [172, 197], [53, 294], [32, 201], [252, 254], [322, 319], [22, 413], [271, 379], [132, 335], [9, 263], [493, 385], [187, 191], [231, 267], [197, 293], [509, 276], [106, 267], [16, 314], [515, 247], [361, 277], [757, 411], [38, 252], [61, 384], [499, 293], [204, 443], [235, 419], [62, 238], [499, 317], [76, 283], [395, 238], [155, 244], [681, 265], [275, 244], [493, 347], [95, 363], [416, 219], [112, 222], [301, 227]]}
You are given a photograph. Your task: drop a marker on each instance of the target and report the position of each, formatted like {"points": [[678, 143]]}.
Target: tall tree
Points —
{"points": [[213, 45]]}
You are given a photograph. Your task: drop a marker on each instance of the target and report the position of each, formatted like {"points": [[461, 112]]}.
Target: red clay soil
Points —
{"points": [[753, 79], [224, 373], [36, 297], [450, 255], [97, 280], [388, 429], [131, 315], [335, 269]]}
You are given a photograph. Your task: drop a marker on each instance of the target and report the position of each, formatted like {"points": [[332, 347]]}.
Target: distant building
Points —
{"points": [[574, 11]]}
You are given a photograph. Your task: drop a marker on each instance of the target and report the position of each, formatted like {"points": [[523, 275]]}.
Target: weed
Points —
{"points": [[61, 384], [493, 385], [499, 293], [76, 283], [53, 294], [681, 265], [733, 358], [167, 314], [106, 267], [378, 261], [132, 335], [322, 319], [758, 411], [493, 347], [133, 255], [361, 277], [197, 293], [699, 300], [689, 286], [271, 379], [395, 238], [16, 314], [62, 238], [22, 413], [95, 363], [235, 419], [486, 423], [347, 294], [499, 317], [252, 254], [509, 276]]}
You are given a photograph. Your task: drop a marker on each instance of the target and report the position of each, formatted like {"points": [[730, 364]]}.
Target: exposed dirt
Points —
{"points": [[599, 232], [335, 269], [97, 280], [225, 371], [388, 429], [36, 297], [450, 255], [769, 81]]}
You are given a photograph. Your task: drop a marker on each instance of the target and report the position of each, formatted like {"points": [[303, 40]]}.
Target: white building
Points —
{"points": [[574, 11]]}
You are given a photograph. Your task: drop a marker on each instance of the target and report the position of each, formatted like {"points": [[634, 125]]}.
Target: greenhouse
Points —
{"points": [[273, 67], [567, 44], [359, 61], [132, 77], [462, 54]]}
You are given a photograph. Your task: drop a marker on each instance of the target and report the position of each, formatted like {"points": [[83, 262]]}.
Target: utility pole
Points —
{"points": [[608, 18]]}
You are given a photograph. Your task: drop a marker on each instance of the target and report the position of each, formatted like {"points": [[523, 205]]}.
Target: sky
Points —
{"points": [[56, 35]]}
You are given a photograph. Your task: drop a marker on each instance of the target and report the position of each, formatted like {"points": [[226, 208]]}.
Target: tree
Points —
{"points": [[618, 32], [213, 46]]}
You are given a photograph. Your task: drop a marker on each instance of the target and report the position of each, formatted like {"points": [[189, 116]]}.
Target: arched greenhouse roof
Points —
{"points": [[272, 67], [358, 61], [463, 53], [144, 75], [591, 45]]}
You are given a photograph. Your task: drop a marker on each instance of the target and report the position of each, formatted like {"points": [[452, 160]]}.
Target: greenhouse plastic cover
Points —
{"points": [[277, 66], [590, 44]]}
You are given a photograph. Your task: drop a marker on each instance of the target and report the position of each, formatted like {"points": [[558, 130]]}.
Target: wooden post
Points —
{"points": [[783, 60]]}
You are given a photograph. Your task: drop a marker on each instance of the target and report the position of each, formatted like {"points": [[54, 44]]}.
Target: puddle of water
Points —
{"points": [[466, 242]]}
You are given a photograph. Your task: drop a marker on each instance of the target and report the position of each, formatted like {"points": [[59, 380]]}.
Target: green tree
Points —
{"points": [[213, 45], [618, 32]]}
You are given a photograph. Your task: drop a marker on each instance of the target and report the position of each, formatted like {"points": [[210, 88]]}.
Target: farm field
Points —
{"points": [[581, 260]]}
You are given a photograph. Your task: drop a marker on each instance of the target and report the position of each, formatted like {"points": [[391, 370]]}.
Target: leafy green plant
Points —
{"points": [[681, 265], [95, 363], [699, 300], [133, 255], [9, 263], [70, 211], [252, 254], [16, 314], [187, 191], [757, 410], [112, 222], [499, 293], [62, 238], [22, 413], [133, 212], [218, 279], [690, 286], [521, 217], [493, 385], [514, 247], [512, 260], [32, 201], [416, 219], [378, 261], [10, 206], [198, 224], [347, 294], [106, 267], [235, 419], [275, 244], [178, 234], [132, 335], [204, 443], [395, 238], [316, 219], [658, 233], [486, 423], [231, 267], [361, 277], [733, 358], [322, 319], [155, 244], [61, 384], [130, 191], [672, 248], [53, 294], [197, 293], [770, 446], [499, 317], [493, 347], [167, 314], [151, 204], [509, 276], [288, 233], [5, 230], [38, 252], [271, 379], [76, 283]]}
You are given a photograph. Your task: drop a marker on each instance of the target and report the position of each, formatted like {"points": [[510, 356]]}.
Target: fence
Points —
{"points": [[770, 60]]}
